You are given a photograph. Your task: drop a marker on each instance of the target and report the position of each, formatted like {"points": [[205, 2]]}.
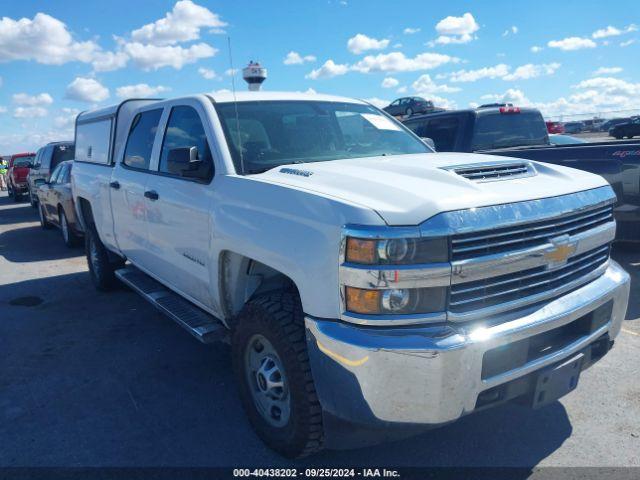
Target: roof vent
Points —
{"points": [[490, 172]]}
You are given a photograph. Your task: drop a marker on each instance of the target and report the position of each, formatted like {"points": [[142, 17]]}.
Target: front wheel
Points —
{"points": [[32, 200], [101, 268], [68, 235], [272, 370], [44, 223]]}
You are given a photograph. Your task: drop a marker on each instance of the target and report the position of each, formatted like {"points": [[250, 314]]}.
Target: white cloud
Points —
{"points": [[611, 31], [389, 82], [208, 73], [531, 70], [592, 95], [377, 102], [456, 29], [327, 70], [153, 57], [402, 89], [361, 43], [42, 99], [607, 71], [30, 112], [496, 71], [512, 95], [511, 30], [425, 85], [229, 72], [140, 90], [626, 43], [182, 24], [536, 49], [294, 58], [410, 31], [44, 39], [3, 109], [66, 119], [398, 62], [108, 61], [87, 90], [572, 43]]}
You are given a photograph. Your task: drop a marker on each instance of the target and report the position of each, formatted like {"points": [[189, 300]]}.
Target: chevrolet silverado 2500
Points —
{"points": [[359, 277]]}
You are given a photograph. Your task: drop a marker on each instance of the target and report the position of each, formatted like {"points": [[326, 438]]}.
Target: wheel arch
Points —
{"points": [[241, 278]]}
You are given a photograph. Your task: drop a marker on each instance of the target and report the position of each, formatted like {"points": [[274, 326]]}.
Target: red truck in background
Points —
{"points": [[18, 169], [555, 127]]}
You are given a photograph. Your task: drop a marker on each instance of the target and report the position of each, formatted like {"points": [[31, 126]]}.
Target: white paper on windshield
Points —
{"points": [[380, 122]]}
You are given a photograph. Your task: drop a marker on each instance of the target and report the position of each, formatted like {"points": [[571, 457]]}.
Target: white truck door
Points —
{"points": [[179, 219], [129, 188]]}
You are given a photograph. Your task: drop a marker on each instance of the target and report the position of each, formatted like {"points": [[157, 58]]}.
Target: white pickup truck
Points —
{"points": [[361, 278]]}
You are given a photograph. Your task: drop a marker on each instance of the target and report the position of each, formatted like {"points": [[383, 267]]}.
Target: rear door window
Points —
{"points": [[142, 134]]}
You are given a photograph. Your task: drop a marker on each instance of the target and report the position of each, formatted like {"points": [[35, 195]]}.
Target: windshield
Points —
{"points": [[267, 134], [23, 161], [501, 130]]}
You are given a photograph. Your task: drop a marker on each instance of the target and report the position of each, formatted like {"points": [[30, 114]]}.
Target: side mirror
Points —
{"points": [[38, 182], [429, 142], [183, 161]]}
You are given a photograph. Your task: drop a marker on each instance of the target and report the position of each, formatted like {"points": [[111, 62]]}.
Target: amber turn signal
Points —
{"points": [[363, 301], [361, 251]]}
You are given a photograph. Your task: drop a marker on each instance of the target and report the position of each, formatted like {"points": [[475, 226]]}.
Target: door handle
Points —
{"points": [[151, 194], [115, 185]]}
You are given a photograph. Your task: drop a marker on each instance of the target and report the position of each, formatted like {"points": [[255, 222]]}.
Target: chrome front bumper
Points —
{"points": [[433, 374]]}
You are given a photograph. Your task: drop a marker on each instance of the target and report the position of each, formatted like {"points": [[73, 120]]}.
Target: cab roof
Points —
{"points": [[245, 96]]}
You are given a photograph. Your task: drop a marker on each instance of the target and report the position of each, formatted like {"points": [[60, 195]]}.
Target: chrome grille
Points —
{"points": [[485, 173], [502, 240], [489, 292]]}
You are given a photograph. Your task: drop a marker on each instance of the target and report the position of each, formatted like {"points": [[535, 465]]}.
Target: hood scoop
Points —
{"points": [[491, 172]]}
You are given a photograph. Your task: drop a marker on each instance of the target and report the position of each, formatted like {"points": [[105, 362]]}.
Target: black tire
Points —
{"points": [[44, 223], [629, 137], [101, 267], [619, 137], [9, 191], [278, 317], [69, 237], [17, 197], [33, 201]]}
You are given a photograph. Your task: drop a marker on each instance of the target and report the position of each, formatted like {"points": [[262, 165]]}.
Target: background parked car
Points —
{"points": [[629, 129], [47, 159], [609, 124], [410, 105], [56, 207], [554, 127], [17, 172], [573, 127], [593, 125]]}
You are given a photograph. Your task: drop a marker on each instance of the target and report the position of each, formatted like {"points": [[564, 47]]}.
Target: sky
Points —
{"points": [[58, 58]]}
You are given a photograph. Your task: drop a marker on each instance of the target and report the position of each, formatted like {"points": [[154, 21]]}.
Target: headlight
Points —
{"points": [[396, 251], [395, 301]]}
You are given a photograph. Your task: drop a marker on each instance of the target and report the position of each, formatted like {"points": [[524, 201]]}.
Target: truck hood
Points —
{"points": [[409, 189]]}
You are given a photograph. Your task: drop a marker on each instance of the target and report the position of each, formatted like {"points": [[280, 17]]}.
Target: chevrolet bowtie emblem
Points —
{"points": [[562, 249]]}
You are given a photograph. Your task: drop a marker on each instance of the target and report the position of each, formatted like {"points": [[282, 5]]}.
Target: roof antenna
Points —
{"points": [[235, 104]]}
